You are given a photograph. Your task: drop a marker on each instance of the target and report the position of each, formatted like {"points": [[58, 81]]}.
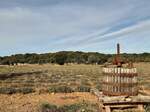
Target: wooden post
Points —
{"points": [[101, 107], [141, 108], [107, 108]]}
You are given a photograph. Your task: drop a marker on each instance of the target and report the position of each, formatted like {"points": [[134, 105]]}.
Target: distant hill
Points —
{"points": [[70, 57]]}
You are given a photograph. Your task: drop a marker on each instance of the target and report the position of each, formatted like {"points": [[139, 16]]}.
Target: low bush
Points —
{"points": [[71, 108], [83, 89], [66, 89], [78, 107], [147, 108], [60, 89], [10, 90], [4, 90], [99, 87], [26, 90], [45, 107]]}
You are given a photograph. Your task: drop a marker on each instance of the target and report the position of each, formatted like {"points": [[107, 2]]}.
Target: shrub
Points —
{"points": [[99, 87], [70, 108], [66, 89], [83, 89], [26, 90], [6, 90], [60, 89], [10, 90], [45, 107], [78, 107], [147, 108]]}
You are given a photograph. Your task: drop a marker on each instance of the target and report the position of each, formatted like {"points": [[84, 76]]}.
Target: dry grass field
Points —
{"points": [[32, 102], [47, 76], [42, 81]]}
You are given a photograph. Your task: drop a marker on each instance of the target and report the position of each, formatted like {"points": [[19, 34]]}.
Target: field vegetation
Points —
{"points": [[77, 107], [50, 78], [54, 79]]}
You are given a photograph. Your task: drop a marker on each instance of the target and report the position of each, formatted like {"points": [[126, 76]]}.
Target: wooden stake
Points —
{"points": [[141, 108], [107, 108]]}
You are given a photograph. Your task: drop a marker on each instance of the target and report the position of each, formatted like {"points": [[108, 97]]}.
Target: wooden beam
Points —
{"points": [[107, 108], [123, 106]]}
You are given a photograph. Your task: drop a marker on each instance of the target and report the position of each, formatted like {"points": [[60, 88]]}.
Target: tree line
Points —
{"points": [[65, 57]]}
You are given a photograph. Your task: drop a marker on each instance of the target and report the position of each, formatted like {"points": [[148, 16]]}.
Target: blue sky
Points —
{"points": [[40, 26]]}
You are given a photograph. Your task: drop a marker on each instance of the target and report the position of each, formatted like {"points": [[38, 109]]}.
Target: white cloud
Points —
{"points": [[140, 27], [59, 25]]}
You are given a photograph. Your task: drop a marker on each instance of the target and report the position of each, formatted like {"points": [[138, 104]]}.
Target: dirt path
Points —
{"points": [[31, 102]]}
